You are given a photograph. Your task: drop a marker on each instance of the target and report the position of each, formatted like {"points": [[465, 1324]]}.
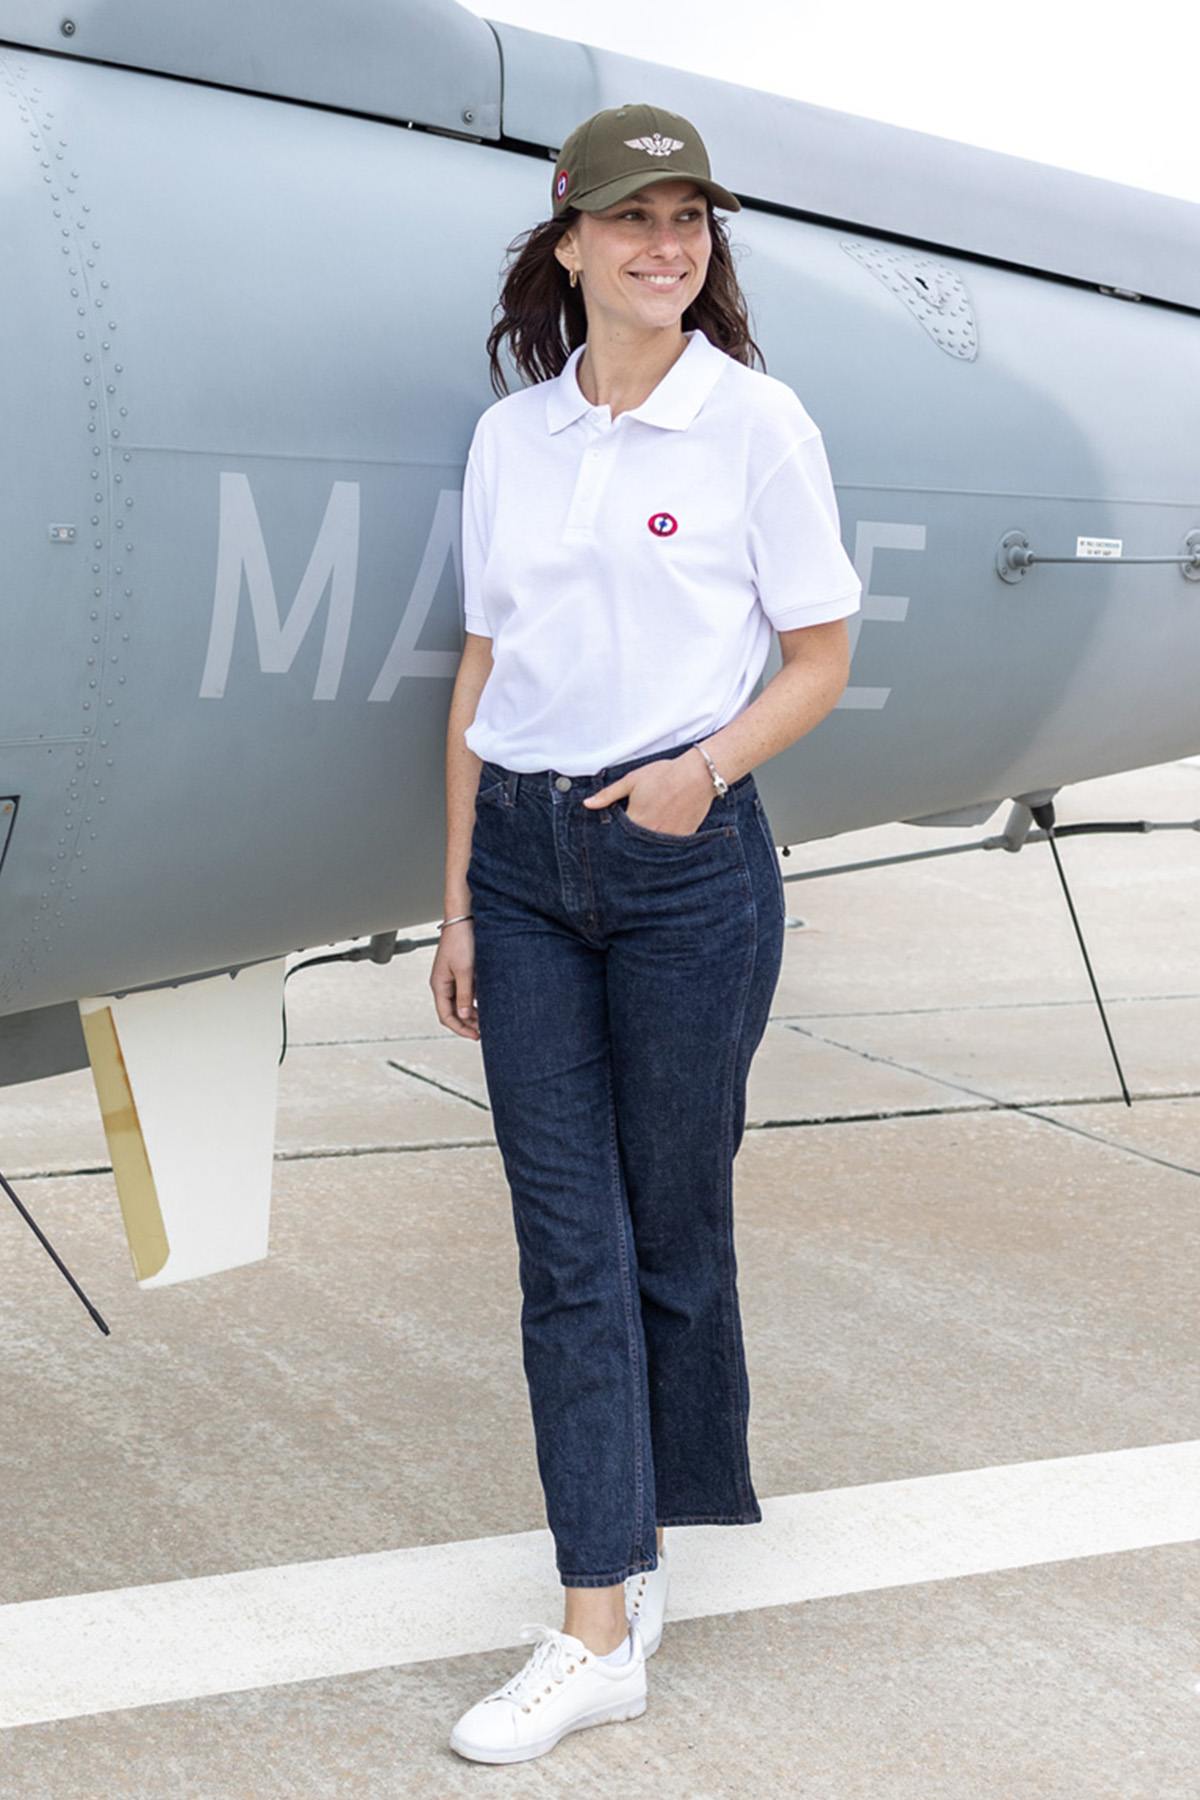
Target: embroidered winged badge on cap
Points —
{"points": [[655, 144]]}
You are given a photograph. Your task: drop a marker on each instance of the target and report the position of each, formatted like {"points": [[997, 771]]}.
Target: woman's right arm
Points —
{"points": [[452, 977]]}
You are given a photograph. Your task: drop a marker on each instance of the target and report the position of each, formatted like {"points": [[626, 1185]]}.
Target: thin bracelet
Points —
{"points": [[455, 920], [718, 780]]}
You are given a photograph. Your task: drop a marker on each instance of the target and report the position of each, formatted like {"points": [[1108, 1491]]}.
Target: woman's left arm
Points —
{"points": [[816, 668]]}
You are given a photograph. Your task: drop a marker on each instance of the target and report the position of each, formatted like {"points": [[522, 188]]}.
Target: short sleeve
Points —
{"points": [[802, 573], [474, 546]]}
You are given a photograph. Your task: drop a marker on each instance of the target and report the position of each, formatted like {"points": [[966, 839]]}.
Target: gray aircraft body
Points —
{"points": [[248, 272]]}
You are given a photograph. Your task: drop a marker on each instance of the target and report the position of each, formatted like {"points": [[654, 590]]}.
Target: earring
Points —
{"points": [[572, 277]]}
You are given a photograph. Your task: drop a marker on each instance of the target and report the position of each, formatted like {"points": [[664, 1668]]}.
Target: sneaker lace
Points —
{"points": [[554, 1652]]}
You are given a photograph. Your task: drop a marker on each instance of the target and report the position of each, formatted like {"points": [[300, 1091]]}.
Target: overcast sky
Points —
{"points": [[1085, 84]]}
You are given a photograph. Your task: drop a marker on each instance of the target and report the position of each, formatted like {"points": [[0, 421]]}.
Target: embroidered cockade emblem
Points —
{"points": [[662, 524], [655, 144]]}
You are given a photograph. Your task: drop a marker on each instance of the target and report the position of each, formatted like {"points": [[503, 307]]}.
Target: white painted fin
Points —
{"points": [[187, 1077]]}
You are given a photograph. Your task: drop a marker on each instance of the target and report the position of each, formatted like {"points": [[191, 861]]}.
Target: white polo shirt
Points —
{"points": [[629, 571]]}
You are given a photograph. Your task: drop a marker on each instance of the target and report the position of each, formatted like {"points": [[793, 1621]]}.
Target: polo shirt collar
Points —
{"points": [[674, 403]]}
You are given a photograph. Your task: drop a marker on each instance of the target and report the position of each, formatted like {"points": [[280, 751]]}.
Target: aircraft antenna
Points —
{"points": [[51, 1251], [1043, 813]]}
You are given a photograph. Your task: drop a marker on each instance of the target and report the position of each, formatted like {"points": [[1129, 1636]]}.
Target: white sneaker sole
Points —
{"points": [[603, 1715]]}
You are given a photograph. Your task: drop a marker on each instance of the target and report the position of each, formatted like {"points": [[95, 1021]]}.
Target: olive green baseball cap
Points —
{"points": [[621, 149]]}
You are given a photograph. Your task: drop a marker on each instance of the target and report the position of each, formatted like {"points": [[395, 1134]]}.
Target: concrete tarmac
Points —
{"points": [[280, 1529]]}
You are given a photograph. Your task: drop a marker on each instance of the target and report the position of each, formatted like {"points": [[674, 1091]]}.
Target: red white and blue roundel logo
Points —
{"points": [[560, 186], [663, 524]]}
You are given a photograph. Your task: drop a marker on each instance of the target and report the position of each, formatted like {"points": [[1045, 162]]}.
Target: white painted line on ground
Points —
{"points": [[219, 1634]]}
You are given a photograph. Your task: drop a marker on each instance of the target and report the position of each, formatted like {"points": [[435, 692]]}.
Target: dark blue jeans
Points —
{"points": [[623, 979]]}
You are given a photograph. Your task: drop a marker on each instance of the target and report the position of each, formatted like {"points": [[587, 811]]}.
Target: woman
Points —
{"points": [[636, 521]]}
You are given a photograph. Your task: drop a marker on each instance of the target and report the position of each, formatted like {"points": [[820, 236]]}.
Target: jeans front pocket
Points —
{"points": [[495, 783], [702, 835]]}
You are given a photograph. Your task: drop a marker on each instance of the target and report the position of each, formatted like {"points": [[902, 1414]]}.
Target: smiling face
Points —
{"points": [[661, 229]]}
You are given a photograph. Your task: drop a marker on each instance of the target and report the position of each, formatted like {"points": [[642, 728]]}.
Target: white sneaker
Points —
{"points": [[646, 1601], [563, 1687]]}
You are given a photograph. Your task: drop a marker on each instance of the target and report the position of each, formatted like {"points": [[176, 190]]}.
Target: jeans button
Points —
{"points": [[562, 783]]}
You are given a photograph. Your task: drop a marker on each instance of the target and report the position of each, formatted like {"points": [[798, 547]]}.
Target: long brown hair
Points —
{"points": [[538, 304]]}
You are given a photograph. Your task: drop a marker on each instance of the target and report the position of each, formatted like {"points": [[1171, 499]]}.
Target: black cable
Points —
{"points": [[994, 843], [371, 951]]}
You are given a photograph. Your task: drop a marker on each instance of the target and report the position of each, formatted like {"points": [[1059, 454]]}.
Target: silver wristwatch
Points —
{"points": [[718, 781]]}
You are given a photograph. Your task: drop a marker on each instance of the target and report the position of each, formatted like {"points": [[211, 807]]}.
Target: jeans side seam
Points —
{"points": [[768, 834], [628, 1296], [734, 1044]]}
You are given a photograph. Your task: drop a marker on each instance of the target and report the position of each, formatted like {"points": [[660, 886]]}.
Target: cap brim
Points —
{"points": [[629, 184]]}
